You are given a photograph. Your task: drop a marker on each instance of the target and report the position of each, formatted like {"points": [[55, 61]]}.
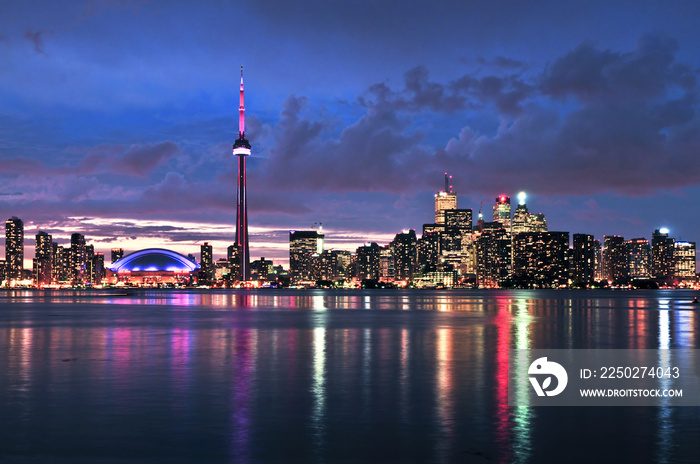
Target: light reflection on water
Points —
{"points": [[370, 376]]}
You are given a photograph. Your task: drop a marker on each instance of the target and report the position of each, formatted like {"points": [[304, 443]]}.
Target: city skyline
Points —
{"points": [[117, 136]]}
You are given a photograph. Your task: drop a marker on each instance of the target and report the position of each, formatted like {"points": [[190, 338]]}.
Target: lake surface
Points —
{"points": [[323, 376]]}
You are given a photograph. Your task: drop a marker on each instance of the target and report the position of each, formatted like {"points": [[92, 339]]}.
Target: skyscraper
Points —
{"points": [[584, 260], [303, 244], [206, 260], [78, 258], [14, 248], [404, 246], [241, 148], [615, 259], [368, 259], [501, 212], [662, 262], [444, 200], [684, 257], [43, 259], [541, 259], [524, 221], [639, 258], [117, 253]]}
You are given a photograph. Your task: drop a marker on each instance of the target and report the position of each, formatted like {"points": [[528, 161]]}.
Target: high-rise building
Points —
{"points": [[524, 221], [206, 261], [501, 213], [493, 257], [303, 244], [78, 258], [241, 148], [14, 249], [584, 260], [684, 256], [541, 259], [404, 246], [98, 269], [639, 258], [428, 251], [662, 262], [368, 259], [117, 253], [43, 259], [387, 270], [444, 200], [615, 259]]}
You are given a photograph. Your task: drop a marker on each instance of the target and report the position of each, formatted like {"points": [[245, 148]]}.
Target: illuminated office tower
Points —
{"points": [[684, 257], [241, 149], [303, 244], [501, 212], [444, 200], [368, 259], [639, 258], [386, 264], [77, 258], [404, 246], [117, 253], [493, 257], [14, 249], [583, 260], [615, 259], [206, 261], [541, 259], [428, 251], [98, 269], [662, 251], [43, 259]]}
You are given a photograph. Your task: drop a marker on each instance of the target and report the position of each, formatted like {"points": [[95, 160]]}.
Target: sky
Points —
{"points": [[117, 117]]}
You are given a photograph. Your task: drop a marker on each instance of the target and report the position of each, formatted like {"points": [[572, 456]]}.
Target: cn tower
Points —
{"points": [[242, 149]]}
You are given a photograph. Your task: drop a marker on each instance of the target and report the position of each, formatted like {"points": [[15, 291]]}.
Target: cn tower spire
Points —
{"points": [[241, 149], [241, 112]]}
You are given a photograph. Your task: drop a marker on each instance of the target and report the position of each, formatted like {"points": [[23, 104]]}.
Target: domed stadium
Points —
{"points": [[153, 266]]}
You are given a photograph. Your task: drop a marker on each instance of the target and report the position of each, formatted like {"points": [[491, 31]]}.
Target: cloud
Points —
{"points": [[37, 39]]}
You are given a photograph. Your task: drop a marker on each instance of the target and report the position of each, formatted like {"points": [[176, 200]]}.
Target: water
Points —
{"points": [[322, 376]]}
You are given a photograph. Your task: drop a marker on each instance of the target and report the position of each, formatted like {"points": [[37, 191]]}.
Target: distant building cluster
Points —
{"points": [[77, 264], [515, 249]]}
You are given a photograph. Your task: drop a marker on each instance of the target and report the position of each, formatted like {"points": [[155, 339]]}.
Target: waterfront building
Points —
{"points": [[153, 266], [303, 244], [428, 251], [14, 249], [524, 221], [662, 254], [78, 259], [639, 258], [368, 258], [615, 259], [117, 253], [541, 259], [583, 260], [493, 257], [98, 269], [206, 261], [387, 263], [684, 255], [404, 247], [43, 259]]}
